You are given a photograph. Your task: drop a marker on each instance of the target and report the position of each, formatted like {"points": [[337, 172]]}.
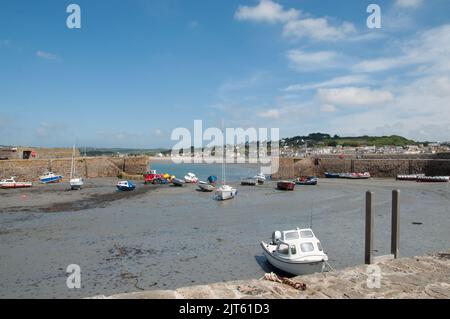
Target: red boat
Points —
{"points": [[11, 183], [286, 185], [152, 178]]}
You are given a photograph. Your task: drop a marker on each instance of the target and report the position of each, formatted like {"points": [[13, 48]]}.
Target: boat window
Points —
{"points": [[319, 245], [291, 235], [306, 234], [307, 247], [293, 250], [283, 249]]}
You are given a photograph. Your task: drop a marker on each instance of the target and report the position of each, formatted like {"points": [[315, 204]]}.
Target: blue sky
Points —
{"points": [[138, 69]]}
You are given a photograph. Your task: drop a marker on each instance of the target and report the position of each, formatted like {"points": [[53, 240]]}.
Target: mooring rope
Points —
{"points": [[283, 280]]}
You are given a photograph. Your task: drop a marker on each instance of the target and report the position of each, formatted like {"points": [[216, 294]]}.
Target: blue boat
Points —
{"points": [[309, 180], [125, 186], [50, 177], [332, 175], [212, 179]]}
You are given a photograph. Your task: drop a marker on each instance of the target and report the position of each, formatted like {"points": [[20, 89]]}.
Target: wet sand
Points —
{"points": [[162, 237]]}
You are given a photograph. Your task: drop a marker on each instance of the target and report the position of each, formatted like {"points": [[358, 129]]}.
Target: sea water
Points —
{"points": [[234, 172]]}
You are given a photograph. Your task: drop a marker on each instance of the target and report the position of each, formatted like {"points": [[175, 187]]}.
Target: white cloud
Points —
{"points": [[328, 108], [338, 81], [381, 64], [270, 114], [294, 26], [354, 96], [266, 11], [46, 55], [408, 3], [304, 61], [318, 29]]}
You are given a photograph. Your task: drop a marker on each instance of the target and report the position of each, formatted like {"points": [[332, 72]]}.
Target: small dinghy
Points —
{"points": [[206, 187], [332, 175], [433, 179], [249, 181], [11, 183], [411, 177], [178, 182], [261, 178], [191, 178], [50, 177], [125, 186], [309, 180], [297, 252], [286, 185], [225, 192]]}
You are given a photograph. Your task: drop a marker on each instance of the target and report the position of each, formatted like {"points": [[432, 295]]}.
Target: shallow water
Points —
{"points": [[174, 237]]}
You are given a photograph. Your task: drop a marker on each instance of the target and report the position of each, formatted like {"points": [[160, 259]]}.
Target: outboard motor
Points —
{"points": [[276, 237]]}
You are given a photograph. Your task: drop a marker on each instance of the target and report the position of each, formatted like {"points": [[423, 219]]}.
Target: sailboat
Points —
{"points": [[225, 191], [75, 182]]}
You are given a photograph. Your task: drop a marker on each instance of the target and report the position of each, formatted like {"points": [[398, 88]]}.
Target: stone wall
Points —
{"points": [[291, 168], [89, 167]]}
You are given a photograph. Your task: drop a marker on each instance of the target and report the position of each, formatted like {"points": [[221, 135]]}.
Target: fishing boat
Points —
{"points": [[178, 182], [191, 178], [225, 192], [249, 181], [286, 185], [297, 252], [50, 177], [261, 178], [206, 187], [332, 175], [125, 186], [433, 179], [75, 182], [11, 183], [308, 180]]}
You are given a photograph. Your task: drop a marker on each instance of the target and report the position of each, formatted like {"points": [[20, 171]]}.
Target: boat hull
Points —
{"points": [[222, 195], [76, 183], [125, 188], [178, 182], [208, 188], [249, 182], [286, 186], [51, 180], [294, 268], [15, 185]]}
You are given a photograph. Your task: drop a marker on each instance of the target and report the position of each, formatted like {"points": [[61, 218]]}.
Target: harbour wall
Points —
{"points": [[378, 167], [87, 167]]}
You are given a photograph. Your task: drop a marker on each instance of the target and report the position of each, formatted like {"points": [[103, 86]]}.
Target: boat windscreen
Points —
{"points": [[307, 247], [291, 235], [306, 234]]}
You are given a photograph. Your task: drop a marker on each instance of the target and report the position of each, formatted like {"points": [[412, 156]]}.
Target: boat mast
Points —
{"points": [[224, 180], [72, 166]]}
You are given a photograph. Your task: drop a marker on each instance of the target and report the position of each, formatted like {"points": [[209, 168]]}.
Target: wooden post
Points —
{"points": [[395, 225], [369, 229]]}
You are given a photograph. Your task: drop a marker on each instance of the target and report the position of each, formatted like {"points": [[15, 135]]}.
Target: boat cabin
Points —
{"points": [[296, 243]]}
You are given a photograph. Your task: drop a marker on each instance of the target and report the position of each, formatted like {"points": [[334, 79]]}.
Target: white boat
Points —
{"points": [[190, 178], [206, 187], [297, 252], [50, 177], [225, 192], [261, 178], [75, 182], [11, 183]]}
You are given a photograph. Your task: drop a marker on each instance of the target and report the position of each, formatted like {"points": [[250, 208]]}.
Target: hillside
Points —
{"points": [[321, 139]]}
